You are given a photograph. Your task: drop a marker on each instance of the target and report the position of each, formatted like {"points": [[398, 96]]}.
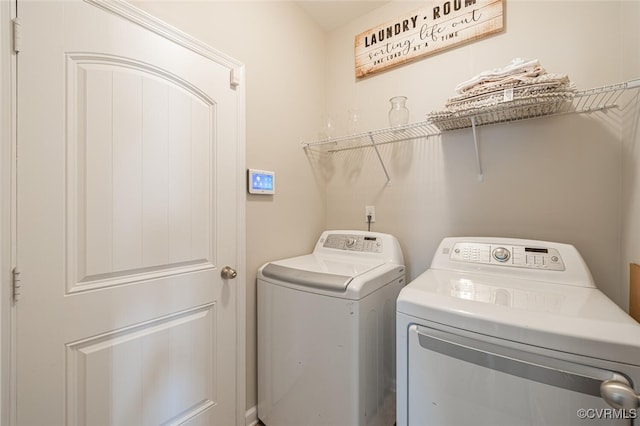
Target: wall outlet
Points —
{"points": [[369, 210]]}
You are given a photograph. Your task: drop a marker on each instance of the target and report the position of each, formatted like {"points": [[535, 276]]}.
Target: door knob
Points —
{"points": [[228, 273]]}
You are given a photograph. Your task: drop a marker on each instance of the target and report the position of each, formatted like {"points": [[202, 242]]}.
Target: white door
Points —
{"points": [[127, 210]]}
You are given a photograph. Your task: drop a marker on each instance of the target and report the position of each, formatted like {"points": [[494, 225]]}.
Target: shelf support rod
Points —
{"points": [[475, 142], [375, 147]]}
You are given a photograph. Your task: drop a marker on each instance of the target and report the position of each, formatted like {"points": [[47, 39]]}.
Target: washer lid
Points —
{"points": [[566, 318], [317, 271]]}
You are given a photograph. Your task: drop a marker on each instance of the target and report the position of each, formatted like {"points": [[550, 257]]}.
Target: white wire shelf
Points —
{"points": [[374, 137], [584, 101]]}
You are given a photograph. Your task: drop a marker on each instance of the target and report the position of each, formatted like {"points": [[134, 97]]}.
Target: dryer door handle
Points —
{"points": [[518, 361], [619, 395]]}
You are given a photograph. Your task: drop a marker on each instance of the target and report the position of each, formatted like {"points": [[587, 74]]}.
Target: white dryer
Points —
{"points": [[326, 333], [513, 332]]}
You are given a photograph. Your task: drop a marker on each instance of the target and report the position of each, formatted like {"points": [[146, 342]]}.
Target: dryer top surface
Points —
{"points": [[555, 309]]}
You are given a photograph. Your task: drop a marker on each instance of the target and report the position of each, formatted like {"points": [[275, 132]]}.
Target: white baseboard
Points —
{"points": [[251, 417]]}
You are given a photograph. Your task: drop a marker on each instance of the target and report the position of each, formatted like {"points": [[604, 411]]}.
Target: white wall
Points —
{"points": [[555, 178], [284, 54], [630, 62]]}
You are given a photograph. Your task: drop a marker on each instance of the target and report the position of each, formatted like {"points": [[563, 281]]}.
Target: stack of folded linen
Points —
{"points": [[522, 89]]}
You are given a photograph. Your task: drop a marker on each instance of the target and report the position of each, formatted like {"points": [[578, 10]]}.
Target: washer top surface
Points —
{"points": [[474, 285], [319, 271], [339, 259]]}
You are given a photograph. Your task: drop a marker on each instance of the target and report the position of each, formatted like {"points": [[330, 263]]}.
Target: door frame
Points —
{"points": [[8, 158], [7, 200]]}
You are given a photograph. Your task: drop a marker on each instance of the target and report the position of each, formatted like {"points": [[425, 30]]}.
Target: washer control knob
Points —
{"points": [[351, 242], [501, 254]]}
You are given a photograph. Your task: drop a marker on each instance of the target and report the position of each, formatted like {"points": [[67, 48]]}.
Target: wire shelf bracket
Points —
{"points": [[384, 168], [475, 143]]}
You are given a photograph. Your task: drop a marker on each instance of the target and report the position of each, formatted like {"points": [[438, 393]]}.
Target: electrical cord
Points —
{"points": [[368, 223]]}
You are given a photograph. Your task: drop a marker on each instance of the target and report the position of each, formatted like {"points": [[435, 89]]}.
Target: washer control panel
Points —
{"points": [[508, 255], [363, 243]]}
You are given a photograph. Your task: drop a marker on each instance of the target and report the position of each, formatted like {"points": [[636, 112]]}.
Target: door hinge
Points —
{"points": [[17, 35], [16, 284]]}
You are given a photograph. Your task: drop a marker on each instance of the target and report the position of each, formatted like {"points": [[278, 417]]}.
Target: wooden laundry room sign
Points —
{"points": [[441, 26]]}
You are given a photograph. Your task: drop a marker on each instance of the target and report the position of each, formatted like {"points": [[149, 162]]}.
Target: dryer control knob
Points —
{"points": [[501, 254]]}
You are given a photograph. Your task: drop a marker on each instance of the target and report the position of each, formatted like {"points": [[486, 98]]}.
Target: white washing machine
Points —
{"points": [[513, 332], [326, 333]]}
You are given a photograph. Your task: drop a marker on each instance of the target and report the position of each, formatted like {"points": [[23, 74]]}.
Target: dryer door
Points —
{"points": [[454, 380]]}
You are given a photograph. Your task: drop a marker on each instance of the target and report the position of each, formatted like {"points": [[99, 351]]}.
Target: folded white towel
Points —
{"points": [[517, 66]]}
